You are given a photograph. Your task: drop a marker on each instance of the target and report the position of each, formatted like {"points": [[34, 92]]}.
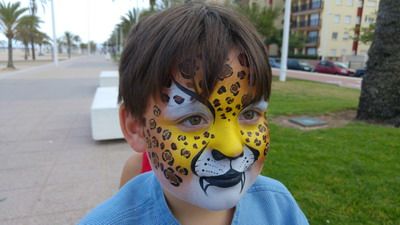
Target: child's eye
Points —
{"points": [[193, 122], [249, 116]]}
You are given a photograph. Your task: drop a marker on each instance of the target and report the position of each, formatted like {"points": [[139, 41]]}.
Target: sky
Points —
{"points": [[90, 19]]}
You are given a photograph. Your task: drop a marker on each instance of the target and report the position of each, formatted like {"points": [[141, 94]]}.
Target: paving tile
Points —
{"points": [[63, 218], [17, 203], [40, 145], [78, 172], [16, 160], [11, 179], [74, 196]]}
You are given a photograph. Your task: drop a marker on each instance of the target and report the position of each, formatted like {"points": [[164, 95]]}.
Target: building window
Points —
{"points": [[338, 2], [312, 37], [333, 52], [311, 51], [314, 19], [334, 35], [368, 19], [315, 4], [349, 2], [337, 18], [346, 36], [344, 51], [358, 20], [347, 19]]}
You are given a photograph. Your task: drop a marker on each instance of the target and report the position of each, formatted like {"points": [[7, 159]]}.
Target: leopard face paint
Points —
{"points": [[208, 152]]}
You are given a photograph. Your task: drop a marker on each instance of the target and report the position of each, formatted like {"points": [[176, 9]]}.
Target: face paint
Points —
{"points": [[208, 152]]}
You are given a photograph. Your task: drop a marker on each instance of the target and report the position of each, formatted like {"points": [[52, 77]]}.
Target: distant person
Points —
{"points": [[193, 89]]}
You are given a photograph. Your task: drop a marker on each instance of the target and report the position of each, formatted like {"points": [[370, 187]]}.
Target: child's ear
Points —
{"points": [[133, 130]]}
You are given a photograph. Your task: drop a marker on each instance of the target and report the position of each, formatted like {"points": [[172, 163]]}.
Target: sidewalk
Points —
{"points": [[51, 171]]}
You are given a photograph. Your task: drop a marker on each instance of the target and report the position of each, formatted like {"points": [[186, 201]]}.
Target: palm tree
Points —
{"points": [[42, 39], [26, 29], [70, 40], [128, 21], [380, 95], [33, 9], [10, 15]]}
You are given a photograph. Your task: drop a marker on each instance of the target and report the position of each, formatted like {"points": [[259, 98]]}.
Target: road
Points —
{"points": [[51, 171], [349, 82]]}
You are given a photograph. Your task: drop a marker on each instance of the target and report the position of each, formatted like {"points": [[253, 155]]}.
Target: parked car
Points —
{"points": [[295, 64], [274, 62], [360, 72], [325, 66]]}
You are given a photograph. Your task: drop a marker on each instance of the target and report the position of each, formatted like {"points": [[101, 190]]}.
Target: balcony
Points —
{"points": [[306, 24], [306, 8]]}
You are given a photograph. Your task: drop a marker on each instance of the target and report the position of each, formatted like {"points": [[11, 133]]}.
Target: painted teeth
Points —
{"points": [[242, 181]]}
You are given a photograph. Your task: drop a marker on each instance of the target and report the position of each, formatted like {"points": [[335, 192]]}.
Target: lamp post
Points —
{"points": [[55, 50], [285, 41]]}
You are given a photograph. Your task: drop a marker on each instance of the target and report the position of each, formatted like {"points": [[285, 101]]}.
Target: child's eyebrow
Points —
{"points": [[197, 97]]}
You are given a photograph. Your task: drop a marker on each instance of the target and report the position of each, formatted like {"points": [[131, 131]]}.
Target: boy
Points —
{"points": [[194, 87]]}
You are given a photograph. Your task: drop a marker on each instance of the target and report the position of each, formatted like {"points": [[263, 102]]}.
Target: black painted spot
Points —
{"points": [[206, 134], [164, 98], [152, 124], [159, 129], [195, 146], [162, 145], [178, 99], [229, 100], [216, 103], [196, 137], [243, 60], [228, 109], [238, 106], [249, 133], [181, 170], [167, 157], [154, 142], [173, 179], [226, 72], [221, 90], [188, 68], [247, 140], [235, 88], [241, 75], [166, 135], [156, 111], [173, 146], [185, 153], [181, 137]]}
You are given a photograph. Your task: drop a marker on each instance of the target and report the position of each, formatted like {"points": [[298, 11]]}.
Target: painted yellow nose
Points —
{"points": [[227, 139]]}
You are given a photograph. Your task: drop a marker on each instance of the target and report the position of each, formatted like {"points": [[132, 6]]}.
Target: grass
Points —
{"points": [[347, 175]]}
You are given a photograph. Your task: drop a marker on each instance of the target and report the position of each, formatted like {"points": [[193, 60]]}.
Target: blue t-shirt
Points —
{"points": [[141, 202]]}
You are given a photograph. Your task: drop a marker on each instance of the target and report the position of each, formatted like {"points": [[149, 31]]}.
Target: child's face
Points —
{"points": [[208, 152]]}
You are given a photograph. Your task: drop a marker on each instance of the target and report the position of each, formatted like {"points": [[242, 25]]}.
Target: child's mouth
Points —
{"points": [[229, 179]]}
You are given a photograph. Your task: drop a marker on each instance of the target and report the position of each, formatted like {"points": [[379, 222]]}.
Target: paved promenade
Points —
{"points": [[51, 171]]}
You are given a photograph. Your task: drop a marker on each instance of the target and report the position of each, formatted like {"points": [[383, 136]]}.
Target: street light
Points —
{"points": [[285, 42], [55, 50]]}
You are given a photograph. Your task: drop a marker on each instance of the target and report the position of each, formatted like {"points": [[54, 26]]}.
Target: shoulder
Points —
{"points": [[128, 205], [268, 201], [266, 184]]}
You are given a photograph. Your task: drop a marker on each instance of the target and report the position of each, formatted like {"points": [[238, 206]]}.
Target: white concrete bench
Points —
{"points": [[104, 114], [109, 79]]}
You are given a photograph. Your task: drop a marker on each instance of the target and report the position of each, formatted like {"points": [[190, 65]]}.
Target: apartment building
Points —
{"points": [[330, 26]]}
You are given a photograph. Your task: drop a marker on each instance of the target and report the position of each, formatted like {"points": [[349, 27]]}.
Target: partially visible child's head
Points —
{"points": [[194, 87]]}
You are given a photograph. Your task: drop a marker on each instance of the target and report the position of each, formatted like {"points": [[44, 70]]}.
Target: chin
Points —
{"points": [[214, 198]]}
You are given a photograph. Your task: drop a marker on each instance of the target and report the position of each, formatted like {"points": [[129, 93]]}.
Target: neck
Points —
{"points": [[188, 214]]}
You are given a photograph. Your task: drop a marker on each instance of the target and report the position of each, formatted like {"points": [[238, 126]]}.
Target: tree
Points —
{"points": [[70, 40], [33, 11], [26, 29], [10, 15], [380, 92], [127, 22], [42, 39], [263, 19]]}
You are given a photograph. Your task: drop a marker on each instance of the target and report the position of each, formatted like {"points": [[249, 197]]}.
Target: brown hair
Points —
{"points": [[194, 29]]}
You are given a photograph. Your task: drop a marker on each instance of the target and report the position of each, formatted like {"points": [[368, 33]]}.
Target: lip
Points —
{"points": [[229, 179]]}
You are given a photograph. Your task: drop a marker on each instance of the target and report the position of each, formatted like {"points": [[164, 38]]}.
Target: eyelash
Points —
{"points": [[256, 116], [185, 123]]}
